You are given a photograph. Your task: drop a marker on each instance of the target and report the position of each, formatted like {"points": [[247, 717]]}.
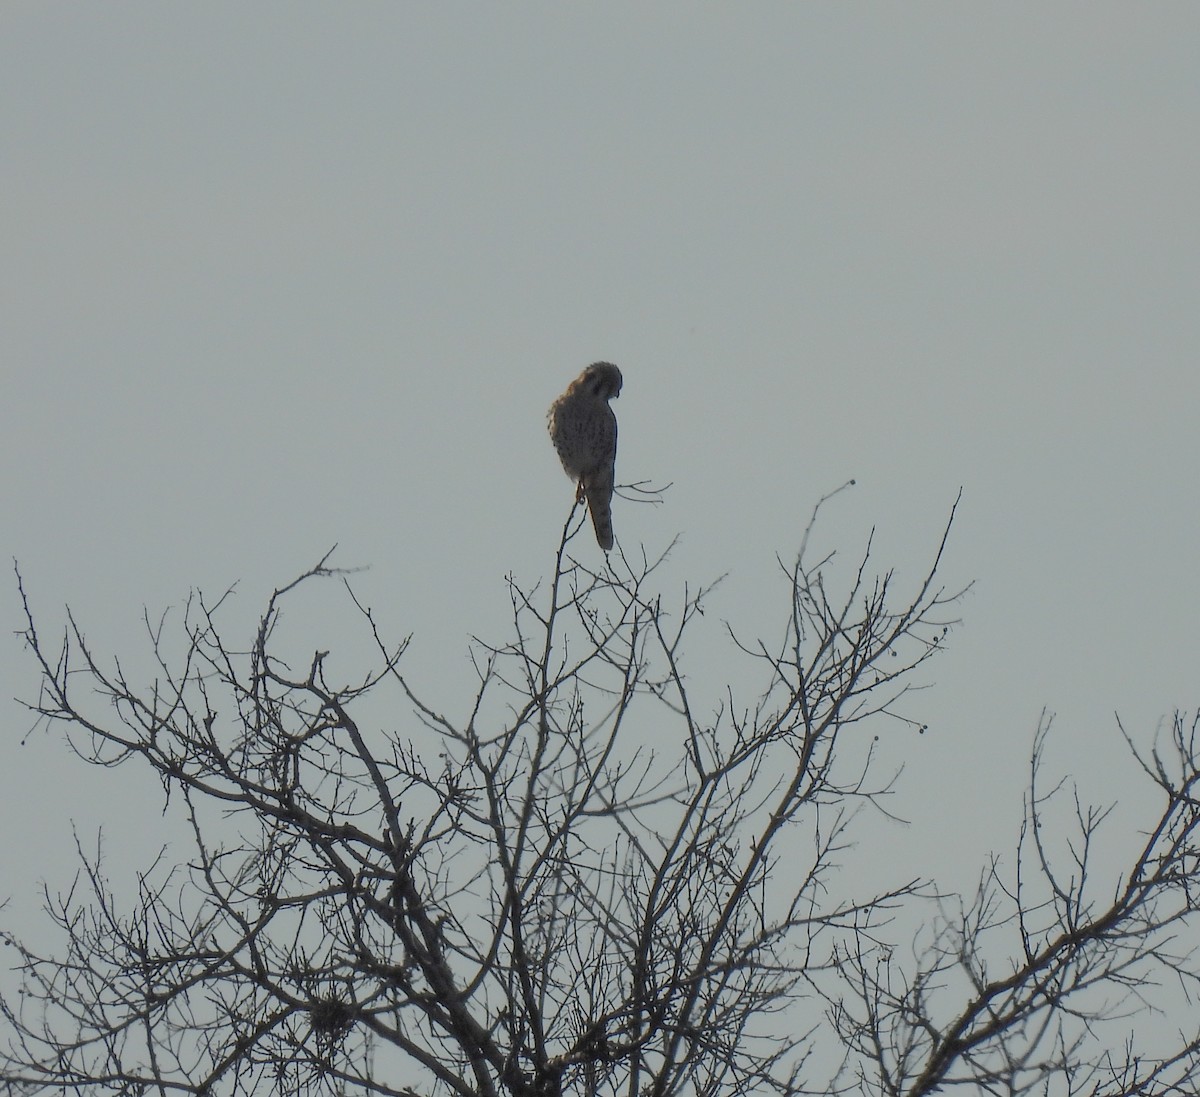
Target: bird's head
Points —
{"points": [[603, 379]]}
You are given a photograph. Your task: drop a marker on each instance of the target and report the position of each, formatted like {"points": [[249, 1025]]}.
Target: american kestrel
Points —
{"points": [[584, 431]]}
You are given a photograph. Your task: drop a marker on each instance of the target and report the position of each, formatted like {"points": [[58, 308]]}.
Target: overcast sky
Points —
{"points": [[279, 275]]}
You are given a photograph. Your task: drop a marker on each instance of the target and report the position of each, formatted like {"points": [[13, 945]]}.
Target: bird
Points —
{"points": [[583, 429]]}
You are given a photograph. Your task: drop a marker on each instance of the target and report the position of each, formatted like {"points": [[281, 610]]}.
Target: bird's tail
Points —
{"points": [[598, 492]]}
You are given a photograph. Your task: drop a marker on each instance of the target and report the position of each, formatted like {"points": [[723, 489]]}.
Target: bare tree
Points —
{"points": [[586, 880], [1033, 985]]}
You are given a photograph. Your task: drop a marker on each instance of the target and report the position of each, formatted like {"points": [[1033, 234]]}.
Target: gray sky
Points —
{"points": [[276, 276]]}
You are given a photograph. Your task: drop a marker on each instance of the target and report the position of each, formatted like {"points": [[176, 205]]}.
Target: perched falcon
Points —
{"points": [[584, 431]]}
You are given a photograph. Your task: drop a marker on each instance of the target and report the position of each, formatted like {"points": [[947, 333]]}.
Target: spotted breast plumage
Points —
{"points": [[584, 431]]}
